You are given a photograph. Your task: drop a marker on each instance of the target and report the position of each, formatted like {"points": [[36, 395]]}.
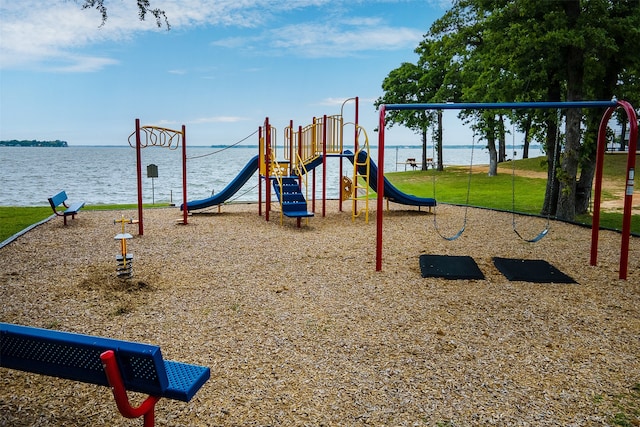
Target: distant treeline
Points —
{"points": [[33, 143]]}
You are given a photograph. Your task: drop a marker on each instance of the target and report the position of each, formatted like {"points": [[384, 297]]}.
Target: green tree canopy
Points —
{"points": [[527, 50]]}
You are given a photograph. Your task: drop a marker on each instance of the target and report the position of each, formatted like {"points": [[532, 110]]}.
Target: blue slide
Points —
{"points": [[231, 189], [390, 192]]}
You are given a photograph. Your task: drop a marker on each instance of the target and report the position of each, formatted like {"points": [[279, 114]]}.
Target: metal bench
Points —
{"points": [[122, 365], [61, 199]]}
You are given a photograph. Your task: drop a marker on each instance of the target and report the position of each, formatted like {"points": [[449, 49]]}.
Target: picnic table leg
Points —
{"points": [[145, 409]]}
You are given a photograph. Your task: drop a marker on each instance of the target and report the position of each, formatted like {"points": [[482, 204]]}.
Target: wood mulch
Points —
{"points": [[299, 329]]}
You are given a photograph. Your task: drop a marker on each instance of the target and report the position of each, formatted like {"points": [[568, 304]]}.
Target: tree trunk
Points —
{"points": [[491, 145], [623, 134], [502, 141], [588, 165], [424, 148], [553, 145], [570, 159], [527, 138]]}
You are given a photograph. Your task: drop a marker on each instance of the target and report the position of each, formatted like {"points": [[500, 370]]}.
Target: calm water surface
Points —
{"points": [[107, 175]]}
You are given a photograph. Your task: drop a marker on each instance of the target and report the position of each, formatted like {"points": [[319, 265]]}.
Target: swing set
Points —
{"points": [[611, 107]]}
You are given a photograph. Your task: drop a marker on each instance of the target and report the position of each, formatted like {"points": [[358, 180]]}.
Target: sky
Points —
{"points": [[221, 69]]}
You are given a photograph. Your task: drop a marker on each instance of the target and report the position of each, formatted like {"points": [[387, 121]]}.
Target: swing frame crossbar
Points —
{"points": [[611, 106]]}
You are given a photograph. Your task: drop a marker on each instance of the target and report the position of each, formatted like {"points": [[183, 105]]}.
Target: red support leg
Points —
{"points": [[145, 409]]}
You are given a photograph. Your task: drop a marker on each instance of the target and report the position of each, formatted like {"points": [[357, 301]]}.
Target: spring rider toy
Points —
{"points": [[124, 260]]}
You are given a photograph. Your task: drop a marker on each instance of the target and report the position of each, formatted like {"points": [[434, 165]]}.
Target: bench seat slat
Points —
{"points": [[73, 209]]}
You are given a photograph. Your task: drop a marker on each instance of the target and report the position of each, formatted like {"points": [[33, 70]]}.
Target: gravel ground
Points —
{"points": [[299, 329]]}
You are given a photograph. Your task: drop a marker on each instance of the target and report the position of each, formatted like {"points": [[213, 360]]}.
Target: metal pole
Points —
{"points": [[324, 165], [380, 189], [628, 198], [185, 212], [139, 176]]}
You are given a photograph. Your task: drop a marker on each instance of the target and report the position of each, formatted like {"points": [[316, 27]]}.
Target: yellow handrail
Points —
{"points": [[361, 180]]}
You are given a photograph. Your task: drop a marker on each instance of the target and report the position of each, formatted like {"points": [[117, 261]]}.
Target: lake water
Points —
{"points": [[107, 175]]}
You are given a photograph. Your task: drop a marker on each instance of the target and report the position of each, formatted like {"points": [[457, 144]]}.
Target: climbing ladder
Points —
{"points": [[361, 177]]}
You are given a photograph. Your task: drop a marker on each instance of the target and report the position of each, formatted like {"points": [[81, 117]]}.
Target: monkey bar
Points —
{"points": [[155, 136]]}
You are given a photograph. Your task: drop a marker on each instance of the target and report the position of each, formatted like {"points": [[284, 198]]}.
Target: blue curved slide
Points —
{"points": [[231, 189], [390, 192]]}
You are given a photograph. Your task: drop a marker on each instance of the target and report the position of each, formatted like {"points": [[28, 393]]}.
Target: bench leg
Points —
{"points": [[145, 409]]}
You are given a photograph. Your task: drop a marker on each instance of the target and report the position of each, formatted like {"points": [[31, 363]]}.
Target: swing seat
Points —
{"points": [[535, 239]]}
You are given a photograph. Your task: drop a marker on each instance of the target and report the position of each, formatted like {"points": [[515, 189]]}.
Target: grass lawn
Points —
{"points": [[506, 192], [14, 219], [502, 192]]}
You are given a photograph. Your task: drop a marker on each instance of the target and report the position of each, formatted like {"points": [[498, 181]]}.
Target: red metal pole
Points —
{"points": [[114, 378], [267, 173], [293, 157], [260, 160], [355, 151], [139, 177], [185, 211], [356, 130], [601, 147], [324, 165], [629, 184], [380, 188], [628, 198]]}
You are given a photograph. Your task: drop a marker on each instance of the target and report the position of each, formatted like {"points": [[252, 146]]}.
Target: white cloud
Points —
{"points": [[332, 38], [34, 32], [83, 64]]}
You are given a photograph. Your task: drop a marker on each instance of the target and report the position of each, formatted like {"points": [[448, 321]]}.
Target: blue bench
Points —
{"points": [[122, 365], [61, 199]]}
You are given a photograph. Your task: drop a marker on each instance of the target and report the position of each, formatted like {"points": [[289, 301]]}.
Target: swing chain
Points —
{"points": [[466, 209], [513, 183]]}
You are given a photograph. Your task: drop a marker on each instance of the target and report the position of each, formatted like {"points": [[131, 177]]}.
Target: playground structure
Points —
{"points": [[611, 106], [291, 170], [124, 259], [303, 151]]}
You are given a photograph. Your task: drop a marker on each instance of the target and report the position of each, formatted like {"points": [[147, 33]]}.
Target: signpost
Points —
{"points": [[152, 172]]}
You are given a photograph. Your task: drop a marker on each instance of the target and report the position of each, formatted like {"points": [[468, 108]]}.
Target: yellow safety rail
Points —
{"points": [[265, 169], [307, 145], [277, 171], [361, 180], [334, 134], [301, 171], [280, 170]]}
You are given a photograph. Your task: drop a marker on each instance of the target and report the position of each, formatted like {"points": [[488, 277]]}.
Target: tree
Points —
{"points": [[526, 50], [403, 85], [144, 7]]}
